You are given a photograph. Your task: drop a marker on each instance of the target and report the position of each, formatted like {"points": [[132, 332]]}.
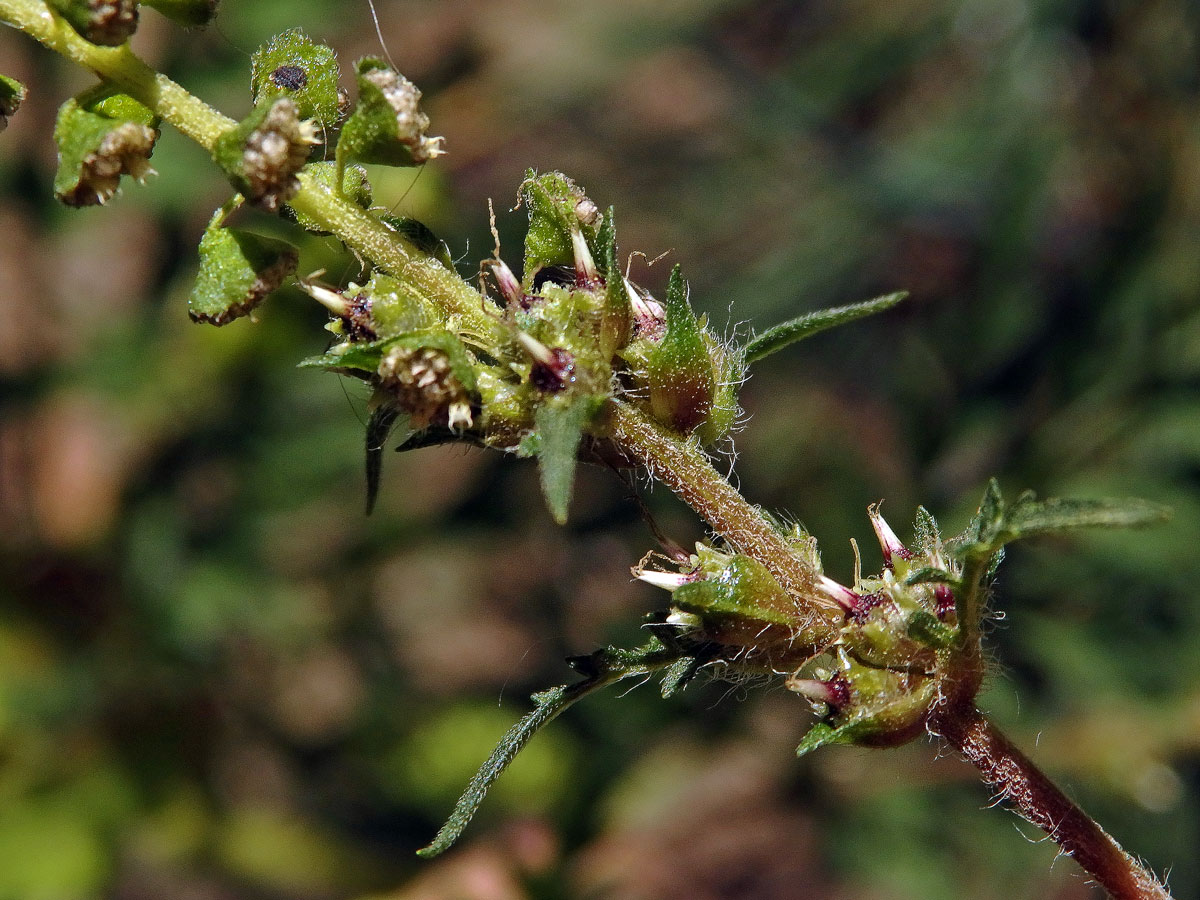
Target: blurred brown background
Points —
{"points": [[219, 680]]}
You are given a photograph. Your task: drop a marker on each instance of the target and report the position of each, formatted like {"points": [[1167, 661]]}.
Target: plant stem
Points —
{"points": [[121, 67], [371, 239], [1017, 780], [359, 230], [681, 465]]}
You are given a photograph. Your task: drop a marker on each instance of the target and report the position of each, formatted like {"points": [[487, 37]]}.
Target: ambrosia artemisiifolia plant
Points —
{"points": [[571, 361]]}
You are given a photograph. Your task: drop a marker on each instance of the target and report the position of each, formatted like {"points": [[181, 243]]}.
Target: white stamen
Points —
{"points": [[666, 580], [536, 348]]}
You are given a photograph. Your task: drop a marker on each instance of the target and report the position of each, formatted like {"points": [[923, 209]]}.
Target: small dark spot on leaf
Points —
{"points": [[290, 78]]}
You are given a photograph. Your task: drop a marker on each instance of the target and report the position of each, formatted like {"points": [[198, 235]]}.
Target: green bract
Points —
{"points": [[387, 125], [679, 368], [559, 213], [101, 135], [12, 93], [291, 65], [105, 22], [238, 269]]}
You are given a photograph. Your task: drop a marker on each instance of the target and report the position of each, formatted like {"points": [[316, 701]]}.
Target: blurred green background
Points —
{"points": [[220, 681]]}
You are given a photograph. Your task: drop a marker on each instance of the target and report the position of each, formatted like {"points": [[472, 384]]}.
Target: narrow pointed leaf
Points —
{"points": [[931, 575], [549, 704], [925, 530], [680, 674], [560, 426], [807, 325], [1029, 517], [361, 357], [926, 628], [617, 317], [379, 427]]}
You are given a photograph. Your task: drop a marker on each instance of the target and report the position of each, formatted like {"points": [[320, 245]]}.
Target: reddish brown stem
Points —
{"points": [[1017, 780]]}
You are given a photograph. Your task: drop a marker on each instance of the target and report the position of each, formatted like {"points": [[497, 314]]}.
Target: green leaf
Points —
{"points": [[560, 424], [362, 357], [600, 669], [101, 135], [680, 673], [292, 65], [105, 22], [679, 368], [823, 733], [730, 371], [420, 236], [996, 524], [807, 325], [548, 704], [606, 241], [191, 13], [12, 94], [1029, 516], [355, 188], [387, 126], [238, 269]]}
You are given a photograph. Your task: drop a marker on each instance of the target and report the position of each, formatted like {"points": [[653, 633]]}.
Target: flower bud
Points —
{"points": [[888, 542], [739, 604], [101, 136], [12, 93], [262, 154], [430, 377], [105, 22], [868, 706], [387, 126]]}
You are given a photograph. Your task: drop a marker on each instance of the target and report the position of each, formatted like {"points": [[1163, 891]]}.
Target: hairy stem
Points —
{"points": [[1018, 781], [121, 67], [682, 466], [371, 239]]}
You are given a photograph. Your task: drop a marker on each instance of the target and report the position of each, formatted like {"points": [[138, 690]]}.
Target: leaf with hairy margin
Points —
{"points": [[774, 339]]}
